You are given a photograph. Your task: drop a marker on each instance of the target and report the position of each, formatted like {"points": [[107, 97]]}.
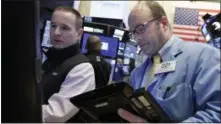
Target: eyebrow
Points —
{"points": [[136, 26], [52, 22], [65, 25], [131, 30], [61, 24]]}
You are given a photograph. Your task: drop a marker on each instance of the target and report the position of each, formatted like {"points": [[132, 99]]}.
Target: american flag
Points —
{"points": [[188, 21]]}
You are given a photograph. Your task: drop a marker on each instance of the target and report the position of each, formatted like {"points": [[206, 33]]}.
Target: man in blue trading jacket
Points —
{"points": [[187, 82], [67, 72]]}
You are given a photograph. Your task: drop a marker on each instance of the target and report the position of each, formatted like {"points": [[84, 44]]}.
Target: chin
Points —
{"points": [[59, 46], [148, 53]]}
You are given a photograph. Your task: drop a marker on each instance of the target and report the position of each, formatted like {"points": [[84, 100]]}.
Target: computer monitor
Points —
{"points": [[213, 26], [109, 45], [95, 27], [46, 35], [205, 32], [126, 69], [126, 61], [121, 47], [112, 62], [214, 41], [118, 34], [130, 51]]}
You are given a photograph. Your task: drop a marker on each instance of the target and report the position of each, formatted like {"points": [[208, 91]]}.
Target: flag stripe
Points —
{"points": [[185, 28], [204, 13], [191, 36], [187, 31], [183, 33], [210, 10]]}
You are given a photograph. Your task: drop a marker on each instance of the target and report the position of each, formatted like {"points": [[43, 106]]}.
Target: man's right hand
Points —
{"points": [[130, 117]]}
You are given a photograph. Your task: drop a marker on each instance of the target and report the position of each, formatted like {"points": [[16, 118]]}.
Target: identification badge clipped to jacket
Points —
{"points": [[168, 66]]}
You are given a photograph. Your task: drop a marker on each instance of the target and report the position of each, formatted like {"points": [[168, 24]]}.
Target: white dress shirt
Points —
{"points": [[79, 80]]}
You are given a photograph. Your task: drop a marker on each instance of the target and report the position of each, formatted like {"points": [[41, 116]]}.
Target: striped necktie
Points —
{"points": [[156, 60]]}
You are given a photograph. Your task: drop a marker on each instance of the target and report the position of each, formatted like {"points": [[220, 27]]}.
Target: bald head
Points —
{"points": [[149, 9], [154, 7], [149, 26], [93, 44]]}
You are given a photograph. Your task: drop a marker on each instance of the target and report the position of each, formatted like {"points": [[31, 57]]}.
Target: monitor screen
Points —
{"points": [[214, 27], [121, 48], [205, 33], [109, 45], [217, 42], [130, 51], [112, 62], [88, 29], [126, 61], [119, 37], [204, 30], [46, 36], [119, 32], [126, 69], [121, 45]]}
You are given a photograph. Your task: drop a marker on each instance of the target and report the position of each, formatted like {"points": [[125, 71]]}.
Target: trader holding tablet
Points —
{"points": [[184, 77]]}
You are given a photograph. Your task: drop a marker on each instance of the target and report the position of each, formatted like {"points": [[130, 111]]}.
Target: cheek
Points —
{"points": [[69, 36], [147, 37], [152, 37], [51, 32]]}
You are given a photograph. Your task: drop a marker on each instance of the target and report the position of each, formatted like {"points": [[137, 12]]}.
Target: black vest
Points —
{"points": [[59, 62], [102, 69], [56, 67]]}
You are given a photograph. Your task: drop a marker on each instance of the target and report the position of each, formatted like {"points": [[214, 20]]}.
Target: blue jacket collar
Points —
{"points": [[171, 51]]}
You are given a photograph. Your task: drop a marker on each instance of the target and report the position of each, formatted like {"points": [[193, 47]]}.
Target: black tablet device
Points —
{"points": [[102, 104]]}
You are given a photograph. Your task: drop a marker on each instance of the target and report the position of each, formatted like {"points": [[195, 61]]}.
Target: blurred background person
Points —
{"points": [[102, 68]]}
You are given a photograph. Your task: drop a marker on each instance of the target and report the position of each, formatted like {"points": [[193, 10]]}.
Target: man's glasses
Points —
{"points": [[141, 28]]}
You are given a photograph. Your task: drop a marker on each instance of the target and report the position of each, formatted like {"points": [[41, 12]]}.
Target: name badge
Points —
{"points": [[165, 67]]}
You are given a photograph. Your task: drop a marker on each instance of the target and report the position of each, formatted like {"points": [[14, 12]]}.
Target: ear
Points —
{"points": [[164, 22], [80, 32]]}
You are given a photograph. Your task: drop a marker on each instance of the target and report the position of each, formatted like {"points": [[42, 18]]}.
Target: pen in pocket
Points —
{"points": [[167, 90]]}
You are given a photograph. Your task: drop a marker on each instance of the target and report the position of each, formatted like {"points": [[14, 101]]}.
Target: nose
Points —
{"points": [[57, 31], [138, 38]]}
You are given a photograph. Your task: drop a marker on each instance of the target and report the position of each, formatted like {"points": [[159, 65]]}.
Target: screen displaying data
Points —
{"points": [[121, 48], [109, 45], [130, 51]]}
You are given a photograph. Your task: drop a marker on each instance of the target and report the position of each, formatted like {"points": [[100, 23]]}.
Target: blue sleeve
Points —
{"points": [[207, 87], [132, 79]]}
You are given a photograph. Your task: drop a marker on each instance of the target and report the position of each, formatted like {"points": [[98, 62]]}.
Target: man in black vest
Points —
{"points": [[101, 67], [67, 72]]}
